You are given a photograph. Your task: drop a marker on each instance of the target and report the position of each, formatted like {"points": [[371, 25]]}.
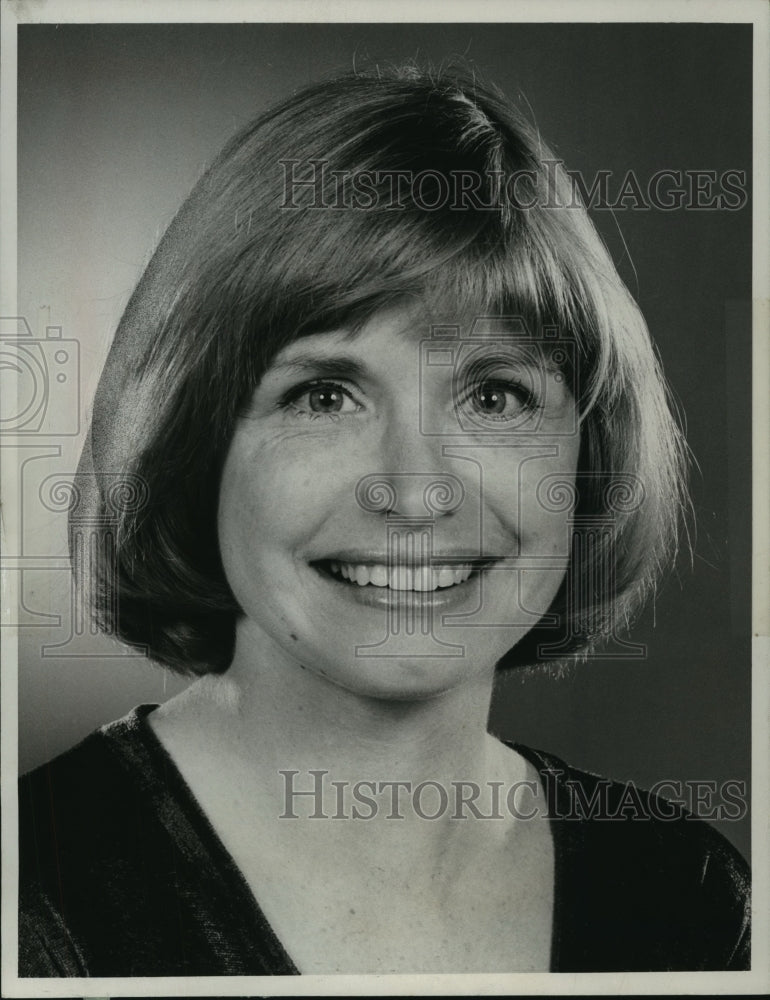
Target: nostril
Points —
{"points": [[444, 495], [376, 493], [413, 494]]}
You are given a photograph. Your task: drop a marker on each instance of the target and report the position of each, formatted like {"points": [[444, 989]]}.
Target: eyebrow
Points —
{"points": [[338, 365], [346, 366]]}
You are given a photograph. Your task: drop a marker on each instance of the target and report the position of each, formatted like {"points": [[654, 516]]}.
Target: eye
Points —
{"points": [[320, 399], [490, 399], [498, 400]]}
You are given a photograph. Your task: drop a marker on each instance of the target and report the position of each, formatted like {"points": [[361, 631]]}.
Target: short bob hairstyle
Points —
{"points": [[297, 228]]}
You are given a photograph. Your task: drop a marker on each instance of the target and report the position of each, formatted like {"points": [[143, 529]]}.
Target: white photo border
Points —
{"points": [[202, 11]]}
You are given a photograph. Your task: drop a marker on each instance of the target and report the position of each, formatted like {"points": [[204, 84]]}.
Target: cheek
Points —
{"points": [[535, 502], [534, 496], [275, 495], [253, 499], [261, 524]]}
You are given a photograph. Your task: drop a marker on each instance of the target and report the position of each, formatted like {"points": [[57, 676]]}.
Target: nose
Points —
{"points": [[410, 495], [414, 481]]}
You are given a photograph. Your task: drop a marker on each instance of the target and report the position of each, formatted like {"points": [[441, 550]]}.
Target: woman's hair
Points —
{"points": [[353, 195]]}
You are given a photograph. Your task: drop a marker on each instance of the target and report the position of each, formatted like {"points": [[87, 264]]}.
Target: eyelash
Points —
{"points": [[528, 402]]}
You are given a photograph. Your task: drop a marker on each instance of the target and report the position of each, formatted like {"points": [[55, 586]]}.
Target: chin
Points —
{"points": [[394, 675]]}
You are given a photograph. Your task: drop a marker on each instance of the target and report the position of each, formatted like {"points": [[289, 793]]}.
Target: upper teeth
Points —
{"points": [[401, 577]]}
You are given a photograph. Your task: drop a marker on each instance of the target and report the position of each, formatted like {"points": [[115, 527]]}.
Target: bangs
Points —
{"points": [[420, 192], [481, 266]]}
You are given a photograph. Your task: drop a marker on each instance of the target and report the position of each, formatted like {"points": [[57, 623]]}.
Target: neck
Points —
{"points": [[275, 728], [268, 716], [286, 715]]}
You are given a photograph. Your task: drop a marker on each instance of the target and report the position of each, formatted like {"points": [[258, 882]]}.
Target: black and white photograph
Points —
{"points": [[384, 446]]}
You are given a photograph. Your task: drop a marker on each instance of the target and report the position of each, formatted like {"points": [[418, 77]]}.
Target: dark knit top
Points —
{"points": [[121, 874]]}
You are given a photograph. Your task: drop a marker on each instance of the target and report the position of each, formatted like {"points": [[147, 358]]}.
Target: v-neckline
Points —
{"points": [[184, 818]]}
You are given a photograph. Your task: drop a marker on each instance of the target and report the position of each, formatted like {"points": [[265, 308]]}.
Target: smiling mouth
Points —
{"points": [[419, 578]]}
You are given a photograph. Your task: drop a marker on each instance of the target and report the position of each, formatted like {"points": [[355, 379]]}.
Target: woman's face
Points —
{"points": [[385, 516]]}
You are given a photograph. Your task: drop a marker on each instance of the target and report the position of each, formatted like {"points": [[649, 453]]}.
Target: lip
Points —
{"points": [[417, 602]]}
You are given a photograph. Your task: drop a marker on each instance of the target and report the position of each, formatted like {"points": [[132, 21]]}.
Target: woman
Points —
{"points": [[380, 418]]}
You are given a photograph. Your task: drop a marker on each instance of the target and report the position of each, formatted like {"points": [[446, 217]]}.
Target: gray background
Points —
{"points": [[116, 123]]}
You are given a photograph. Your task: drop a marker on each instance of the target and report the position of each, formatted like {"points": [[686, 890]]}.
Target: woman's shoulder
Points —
{"points": [[658, 886], [88, 788], [122, 875], [91, 842], [93, 775]]}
